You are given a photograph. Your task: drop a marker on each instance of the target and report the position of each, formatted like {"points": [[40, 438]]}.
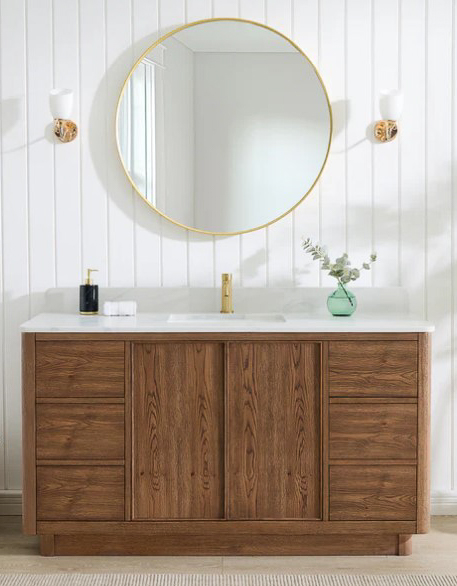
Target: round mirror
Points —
{"points": [[223, 126]]}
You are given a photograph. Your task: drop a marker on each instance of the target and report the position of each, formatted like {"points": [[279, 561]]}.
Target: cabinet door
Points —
{"points": [[178, 414], [274, 430]]}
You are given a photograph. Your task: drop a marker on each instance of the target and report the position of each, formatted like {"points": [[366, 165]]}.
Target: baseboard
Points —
{"points": [[11, 503], [444, 504]]}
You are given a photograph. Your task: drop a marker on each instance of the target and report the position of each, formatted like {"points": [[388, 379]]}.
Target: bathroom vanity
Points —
{"points": [[283, 436]]}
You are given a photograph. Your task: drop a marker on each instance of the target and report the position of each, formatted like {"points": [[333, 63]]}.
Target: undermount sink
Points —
{"points": [[223, 317]]}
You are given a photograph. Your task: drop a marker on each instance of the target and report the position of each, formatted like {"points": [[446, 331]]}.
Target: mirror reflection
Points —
{"points": [[224, 126]]}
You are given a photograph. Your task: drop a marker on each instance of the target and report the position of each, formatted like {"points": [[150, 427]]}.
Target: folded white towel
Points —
{"points": [[119, 308]]}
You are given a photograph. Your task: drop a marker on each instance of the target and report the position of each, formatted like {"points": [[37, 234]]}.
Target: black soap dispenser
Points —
{"points": [[88, 296]]}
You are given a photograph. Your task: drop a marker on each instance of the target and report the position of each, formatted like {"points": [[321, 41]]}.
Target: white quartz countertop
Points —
{"points": [[275, 322]]}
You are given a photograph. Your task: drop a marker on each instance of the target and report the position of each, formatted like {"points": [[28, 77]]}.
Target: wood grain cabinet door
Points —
{"points": [[178, 429], [273, 435]]}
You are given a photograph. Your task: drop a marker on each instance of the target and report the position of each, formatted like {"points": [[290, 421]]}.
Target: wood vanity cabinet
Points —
{"points": [[232, 443]]}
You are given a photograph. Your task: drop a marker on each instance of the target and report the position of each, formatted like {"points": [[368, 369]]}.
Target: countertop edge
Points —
{"points": [[70, 323], [355, 330]]}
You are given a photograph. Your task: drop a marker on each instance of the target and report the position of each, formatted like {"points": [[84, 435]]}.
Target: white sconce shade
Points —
{"points": [[61, 103], [391, 104]]}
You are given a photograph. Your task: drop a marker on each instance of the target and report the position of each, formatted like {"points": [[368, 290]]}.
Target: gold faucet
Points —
{"points": [[227, 300]]}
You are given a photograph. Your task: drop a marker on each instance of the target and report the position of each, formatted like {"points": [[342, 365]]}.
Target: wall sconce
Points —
{"points": [[390, 105], [61, 104]]}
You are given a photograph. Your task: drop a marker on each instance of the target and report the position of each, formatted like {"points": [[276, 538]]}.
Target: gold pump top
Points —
{"points": [[88, 280]]}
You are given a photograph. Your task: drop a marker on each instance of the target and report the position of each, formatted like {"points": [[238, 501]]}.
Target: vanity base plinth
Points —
{"points": [[228, 545]]}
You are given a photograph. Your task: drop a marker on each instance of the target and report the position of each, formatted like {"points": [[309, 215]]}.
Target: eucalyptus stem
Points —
{"points": [[345, 291], [341, 269]]}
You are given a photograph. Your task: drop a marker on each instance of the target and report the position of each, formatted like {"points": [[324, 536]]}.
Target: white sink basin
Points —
{"points": [[225, 317]]}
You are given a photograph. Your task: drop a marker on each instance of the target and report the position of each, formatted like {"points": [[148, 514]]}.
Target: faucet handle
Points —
{"points": [[227, 302]]}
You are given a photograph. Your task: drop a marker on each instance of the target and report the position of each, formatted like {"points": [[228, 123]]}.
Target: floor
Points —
{"points": [[435, 553]]}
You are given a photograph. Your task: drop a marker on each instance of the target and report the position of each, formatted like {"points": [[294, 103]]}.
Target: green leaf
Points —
{"points": [[342, 260]]}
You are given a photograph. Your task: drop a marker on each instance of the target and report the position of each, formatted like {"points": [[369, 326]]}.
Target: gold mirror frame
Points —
{"points": [[173, 32]]}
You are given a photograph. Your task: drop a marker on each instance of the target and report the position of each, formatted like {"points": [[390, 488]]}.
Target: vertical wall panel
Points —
{"points": [[412, 151], [226, 248], [201, 260], [439, 208], [174, 238], [280, 235], [40, 152], [253, 246], [306, 216], [92, 138], [253, 259], [227, 258], [2, 291], [201, 246], [253, 10], [121, 256], [385, 161], [147, 241], [198, 10], [67, 190], [225, 8], [333, 181], [14, 223], [453, 130], [358, 148]]}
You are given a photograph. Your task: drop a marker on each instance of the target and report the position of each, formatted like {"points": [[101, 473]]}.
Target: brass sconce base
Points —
{"points": [[65, 130], [385, 130]]}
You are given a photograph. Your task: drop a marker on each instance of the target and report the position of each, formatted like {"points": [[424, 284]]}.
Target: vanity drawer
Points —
{"points": [[373, 493], [371, 431], [80, 493], [79, 432], [373, 369], [80, 369]]}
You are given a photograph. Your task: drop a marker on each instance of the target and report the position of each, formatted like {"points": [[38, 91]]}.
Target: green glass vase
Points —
{"points": [[341, 302]]}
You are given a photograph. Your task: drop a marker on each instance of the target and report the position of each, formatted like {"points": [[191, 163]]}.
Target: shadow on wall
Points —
{"points": [[102, 143], [253, 265], [13, 110], [440, 308], [341, 111]]}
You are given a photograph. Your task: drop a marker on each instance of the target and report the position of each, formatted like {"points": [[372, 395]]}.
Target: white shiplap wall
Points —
{"points": [[66, 207]]}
